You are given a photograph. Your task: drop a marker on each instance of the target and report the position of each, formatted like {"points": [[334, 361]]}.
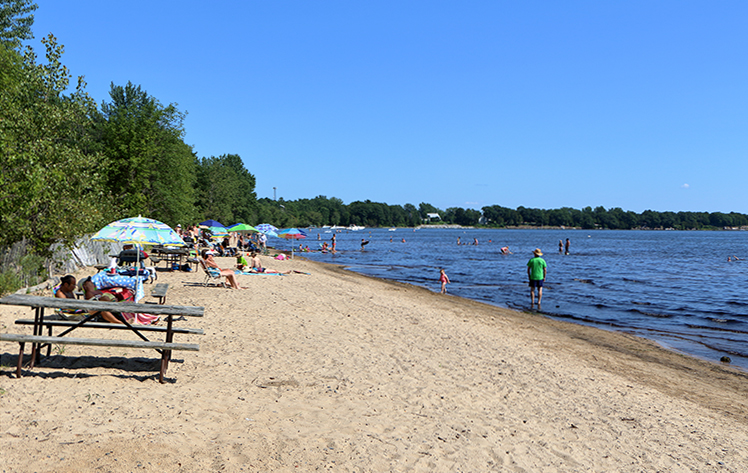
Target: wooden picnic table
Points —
{"points": [[172, 255], [38, 340]]}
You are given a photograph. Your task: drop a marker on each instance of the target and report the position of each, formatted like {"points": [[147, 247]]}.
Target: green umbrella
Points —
{"points": [[242, 228]]}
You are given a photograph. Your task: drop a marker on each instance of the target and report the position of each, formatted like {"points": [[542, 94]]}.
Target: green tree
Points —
{"points": [[50, 186], [226, 192], [149, 169], [16, 19]]}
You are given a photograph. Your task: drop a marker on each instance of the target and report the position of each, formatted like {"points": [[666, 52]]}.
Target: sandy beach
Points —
{"points": [[342, 372]]}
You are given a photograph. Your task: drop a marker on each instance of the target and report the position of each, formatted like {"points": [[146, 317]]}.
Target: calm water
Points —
{"points": [[676, 288]]}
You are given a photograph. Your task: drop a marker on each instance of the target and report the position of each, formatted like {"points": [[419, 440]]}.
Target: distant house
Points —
{"points": [[432, 217]]}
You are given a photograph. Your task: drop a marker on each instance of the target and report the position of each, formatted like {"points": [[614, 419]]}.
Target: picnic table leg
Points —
{"points": [[169, 333], [20, 360], [166, 354], [49, 346], [35, 347], [164, 365]]}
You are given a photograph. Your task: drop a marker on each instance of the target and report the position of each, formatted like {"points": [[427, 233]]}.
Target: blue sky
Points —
{"points": [[636, 104]]}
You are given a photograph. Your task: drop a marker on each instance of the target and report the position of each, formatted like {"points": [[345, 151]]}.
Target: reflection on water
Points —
{"points": [[673, 287]]}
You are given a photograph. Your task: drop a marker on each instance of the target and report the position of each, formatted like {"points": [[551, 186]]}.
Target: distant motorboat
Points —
{"points": [[392, 229], [355, 228]]}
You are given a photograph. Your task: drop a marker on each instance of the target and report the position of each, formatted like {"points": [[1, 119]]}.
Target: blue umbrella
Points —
{"points": [[210, 223]]}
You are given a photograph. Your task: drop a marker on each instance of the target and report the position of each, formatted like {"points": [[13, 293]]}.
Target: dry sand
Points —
{"points": [[339, 371]]}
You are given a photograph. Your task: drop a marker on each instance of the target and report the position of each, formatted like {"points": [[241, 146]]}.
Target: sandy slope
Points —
{"points": [[339, 371]]}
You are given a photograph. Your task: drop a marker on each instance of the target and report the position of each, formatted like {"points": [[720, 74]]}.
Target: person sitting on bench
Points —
{"points": [[92, 293], [66, 288]]}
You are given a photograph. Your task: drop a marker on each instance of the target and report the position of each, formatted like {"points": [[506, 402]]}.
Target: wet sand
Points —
{"points": [[336, 370]]}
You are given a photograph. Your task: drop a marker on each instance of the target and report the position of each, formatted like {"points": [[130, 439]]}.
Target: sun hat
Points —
{"points": [[537, 252], [82, 282]]}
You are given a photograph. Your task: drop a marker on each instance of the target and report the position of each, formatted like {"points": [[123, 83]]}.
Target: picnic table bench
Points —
{"points": [[38, 340], [159, 292]]}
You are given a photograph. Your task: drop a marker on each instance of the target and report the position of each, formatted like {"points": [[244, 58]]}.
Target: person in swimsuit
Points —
{"points": [[257, 267], [444, 279], [90, 292], [210, 262], [67, 286]]}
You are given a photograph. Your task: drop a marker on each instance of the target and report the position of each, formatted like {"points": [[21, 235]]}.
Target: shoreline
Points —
{"points": [[341, 370], [638, 348]]}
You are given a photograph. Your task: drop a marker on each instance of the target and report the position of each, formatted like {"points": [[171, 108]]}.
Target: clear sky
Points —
{"points": [[632, 104]]}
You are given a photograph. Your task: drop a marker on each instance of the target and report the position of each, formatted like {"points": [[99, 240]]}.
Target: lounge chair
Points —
{"points": [[210, 273]]}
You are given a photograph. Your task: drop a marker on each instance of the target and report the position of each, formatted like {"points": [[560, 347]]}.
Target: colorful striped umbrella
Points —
{"points": [[267, 229], [139, 231], [292, 234]]}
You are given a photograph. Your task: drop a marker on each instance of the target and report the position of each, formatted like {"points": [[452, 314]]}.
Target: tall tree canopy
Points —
{"points": [[149, 170], [16, 19], [49, 182], [226, 190]]}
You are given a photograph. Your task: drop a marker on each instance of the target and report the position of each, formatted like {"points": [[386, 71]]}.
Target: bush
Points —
{"points": [[9, 282]]}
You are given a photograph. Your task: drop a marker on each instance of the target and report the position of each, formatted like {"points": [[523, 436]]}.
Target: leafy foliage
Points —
{"points": [[50, 188], [226, 190], [16, 19], [148, 169]]}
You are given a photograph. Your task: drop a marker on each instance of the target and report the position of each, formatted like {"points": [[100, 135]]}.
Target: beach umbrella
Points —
{"points": [[242, 228], [210, 223], [139, 231], [218, 231], [291, 234], [267, 229]]}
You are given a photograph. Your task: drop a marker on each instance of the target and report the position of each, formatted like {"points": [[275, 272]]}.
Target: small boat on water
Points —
{"points": [[355, 228], [392, 229]]}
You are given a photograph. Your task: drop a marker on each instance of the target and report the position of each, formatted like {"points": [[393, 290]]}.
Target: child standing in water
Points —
{"points": [[444, 280]]}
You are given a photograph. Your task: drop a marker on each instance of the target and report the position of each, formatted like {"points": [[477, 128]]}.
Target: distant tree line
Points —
{"points": [[613, 219], [322, 211]]}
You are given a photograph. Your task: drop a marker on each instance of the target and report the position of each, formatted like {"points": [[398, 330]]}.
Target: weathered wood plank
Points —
{"points": [[106, 325], [15, 337], [96, 306], [160, 290]]}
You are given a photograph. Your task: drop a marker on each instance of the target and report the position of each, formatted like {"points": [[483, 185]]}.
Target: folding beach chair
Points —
{"points": [[210, 273]]}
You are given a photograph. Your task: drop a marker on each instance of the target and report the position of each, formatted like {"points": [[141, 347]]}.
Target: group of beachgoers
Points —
{"points": [[229, 245], [253, 265], [537, 269], [66, 290]]}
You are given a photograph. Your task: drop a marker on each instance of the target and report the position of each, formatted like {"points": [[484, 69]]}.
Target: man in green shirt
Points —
{"points": [[536, 271]]}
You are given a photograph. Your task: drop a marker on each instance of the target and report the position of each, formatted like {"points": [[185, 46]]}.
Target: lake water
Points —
{"points": [[676, 288]]}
